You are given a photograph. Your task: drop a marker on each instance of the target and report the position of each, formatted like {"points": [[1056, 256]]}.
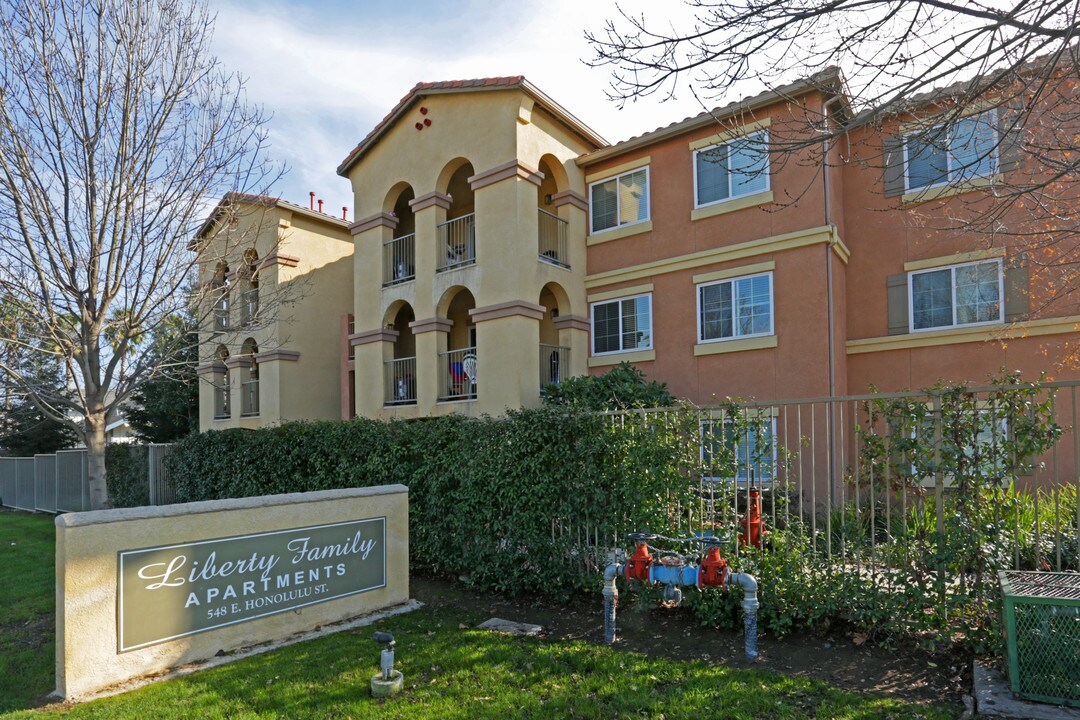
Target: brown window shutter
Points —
{"points": [[1017, 302], [1011, 134], [897, 289], [893, 159]]}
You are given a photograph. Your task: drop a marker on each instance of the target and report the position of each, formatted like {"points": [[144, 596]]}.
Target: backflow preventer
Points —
{"points": [[673, 572]]}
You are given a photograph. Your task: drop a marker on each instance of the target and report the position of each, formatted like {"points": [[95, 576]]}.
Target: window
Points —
{"points": [[754, 456], [979, 448], [735, 168], [621, 200], [736, 308], [968, 294], [951, 154], [622, 325]]}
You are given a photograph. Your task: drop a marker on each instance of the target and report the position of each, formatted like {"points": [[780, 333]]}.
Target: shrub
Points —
{"points": [[128, 469], [531, 502]]}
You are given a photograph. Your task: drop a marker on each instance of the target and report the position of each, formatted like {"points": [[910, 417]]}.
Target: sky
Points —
{"points": [[327, 72]]}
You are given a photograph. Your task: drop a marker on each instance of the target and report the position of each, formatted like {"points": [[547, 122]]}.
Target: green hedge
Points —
{"points": [[128, 470], [525, 503]]}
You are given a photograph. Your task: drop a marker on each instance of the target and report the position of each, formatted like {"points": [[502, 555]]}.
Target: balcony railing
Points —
{"points": [[399, 260], [221, 315], [551, 237], [457, 374], [222, 401], [554, 364], [457, 243], [249, 310], [249, 398], [400, 381]]}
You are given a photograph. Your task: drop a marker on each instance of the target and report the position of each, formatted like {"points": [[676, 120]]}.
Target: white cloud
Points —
{"points": [[328, 76]]}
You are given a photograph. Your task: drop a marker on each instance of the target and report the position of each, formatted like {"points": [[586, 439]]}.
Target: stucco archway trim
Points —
{"points": [[508, 170], [507, 309], [373, 221]]}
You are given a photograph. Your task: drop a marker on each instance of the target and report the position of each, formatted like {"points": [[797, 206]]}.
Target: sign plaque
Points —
{"points": [[169, 592]]}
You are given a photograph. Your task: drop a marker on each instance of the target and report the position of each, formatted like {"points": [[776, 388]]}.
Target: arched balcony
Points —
{"points": [[399, 253], [552, 230], [249, 380], [554, 358], [456, 239], [457, 365], [249, 296], [220, 283], [399, 373], [222, 389]]}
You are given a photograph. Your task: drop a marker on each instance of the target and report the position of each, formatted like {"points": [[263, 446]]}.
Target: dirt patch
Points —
{"points": [[28, 634], [905, 672]]}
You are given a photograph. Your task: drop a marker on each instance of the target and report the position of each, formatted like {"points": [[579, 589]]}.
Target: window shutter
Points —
{"points": [[897, 288], [893, 162], [1017, 304], [1011, 132]]}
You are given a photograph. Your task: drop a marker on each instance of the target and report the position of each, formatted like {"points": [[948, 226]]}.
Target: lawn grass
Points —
{"points": [[27, 602], [451, 671]]}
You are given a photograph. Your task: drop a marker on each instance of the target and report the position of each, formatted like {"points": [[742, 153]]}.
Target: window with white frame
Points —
{"points": [[621, 200], [979, 448], [732, 169], [968, 294], [622, 325], [740, 451], [951, 154], [740, 307]]}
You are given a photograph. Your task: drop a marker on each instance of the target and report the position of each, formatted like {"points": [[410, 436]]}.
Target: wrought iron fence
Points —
{"points": [[399, 382], [552, 244], [457, 243], [399, 260], [249, 398], [554, 364], [869, 481], [457, 374]]}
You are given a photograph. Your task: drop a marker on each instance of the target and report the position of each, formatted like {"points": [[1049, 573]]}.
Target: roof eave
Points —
{"points": [[564, 115], [820, 82]]}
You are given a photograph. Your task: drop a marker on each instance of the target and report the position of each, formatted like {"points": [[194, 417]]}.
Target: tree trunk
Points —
{"points": [[95, 456]]}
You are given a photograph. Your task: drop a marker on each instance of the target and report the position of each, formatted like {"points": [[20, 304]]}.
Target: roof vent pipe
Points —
{"points": [[320, 204], [344, 213], [311, 201]]}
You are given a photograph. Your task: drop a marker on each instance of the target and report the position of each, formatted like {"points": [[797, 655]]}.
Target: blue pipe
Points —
{"points": [[679, 575]]}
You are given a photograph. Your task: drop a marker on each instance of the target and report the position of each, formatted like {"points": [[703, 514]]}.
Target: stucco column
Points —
{"points": [[430, 336], [369, 235], [371, 349], [506, 230], [574, 334], [573, 208], [429, 211], [507, 355]]}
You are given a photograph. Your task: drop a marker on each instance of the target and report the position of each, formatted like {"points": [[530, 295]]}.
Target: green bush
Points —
{"points": [[128, 470], [531, 502]]}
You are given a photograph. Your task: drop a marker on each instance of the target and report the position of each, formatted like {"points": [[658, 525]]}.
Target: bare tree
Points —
{"points": [[925, 63], [117, 127]]}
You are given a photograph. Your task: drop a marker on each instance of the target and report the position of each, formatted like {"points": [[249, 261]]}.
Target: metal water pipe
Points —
{"points": [[712, 571]]}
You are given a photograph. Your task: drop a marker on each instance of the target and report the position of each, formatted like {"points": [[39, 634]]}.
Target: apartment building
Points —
{"points": [[279, 276], [501, 244]]}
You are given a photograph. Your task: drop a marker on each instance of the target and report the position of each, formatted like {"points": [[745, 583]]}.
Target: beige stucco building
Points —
{"points": [[469, 250], [279, 277]]}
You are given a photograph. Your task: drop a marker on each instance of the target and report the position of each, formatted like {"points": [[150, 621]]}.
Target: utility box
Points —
{"points": [[1042, 628]]}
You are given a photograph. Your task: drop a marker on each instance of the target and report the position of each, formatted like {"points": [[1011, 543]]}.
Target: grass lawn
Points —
{"points": [[27, 604], [451, 671]]}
